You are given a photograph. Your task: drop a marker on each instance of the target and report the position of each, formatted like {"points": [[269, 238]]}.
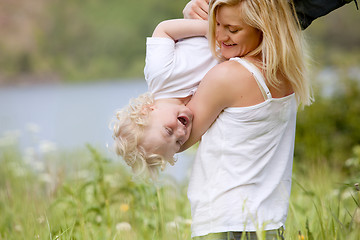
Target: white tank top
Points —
{"points": [[241, 176]]}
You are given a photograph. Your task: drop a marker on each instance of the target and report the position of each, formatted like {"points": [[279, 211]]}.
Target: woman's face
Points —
{"points": [[169, 126], [234, 36]]}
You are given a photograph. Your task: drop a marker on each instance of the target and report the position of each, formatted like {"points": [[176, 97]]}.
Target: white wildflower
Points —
{"points": [[46, 178], [46, 146], [10, 138], [19, 171], [98, 219], [38, 166], [83, 174], [18, 228], [29, 155], [357, 216], [41, 219], [111, 180], [33, 128], [123, 226], [346, 195], [172, 225], [187, 222], [177, 221]]}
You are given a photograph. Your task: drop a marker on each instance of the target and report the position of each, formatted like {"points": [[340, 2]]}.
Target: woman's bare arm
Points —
{"points": [[213, 95], [228, 84]]}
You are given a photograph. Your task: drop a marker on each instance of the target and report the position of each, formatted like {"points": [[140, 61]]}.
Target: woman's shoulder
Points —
{"points": [[236, 83], [230, 71]]}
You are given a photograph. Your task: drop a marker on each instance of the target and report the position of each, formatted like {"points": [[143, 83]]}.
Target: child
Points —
{"points": [[152, 128]]}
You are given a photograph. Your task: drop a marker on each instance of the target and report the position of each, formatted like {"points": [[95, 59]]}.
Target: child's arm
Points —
{"points": [[181, 28]]}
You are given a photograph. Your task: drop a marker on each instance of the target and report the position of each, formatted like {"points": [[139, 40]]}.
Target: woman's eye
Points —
{"points": [[233, 31]]}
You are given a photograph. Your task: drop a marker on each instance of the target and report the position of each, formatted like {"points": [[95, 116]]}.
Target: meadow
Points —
{"points": [[46, 193]]}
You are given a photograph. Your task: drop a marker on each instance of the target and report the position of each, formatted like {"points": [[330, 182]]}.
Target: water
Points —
{"points": [[69, 116]]}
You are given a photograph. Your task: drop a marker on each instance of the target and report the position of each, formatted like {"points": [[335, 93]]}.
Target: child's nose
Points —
{"points": [[180, 132]]}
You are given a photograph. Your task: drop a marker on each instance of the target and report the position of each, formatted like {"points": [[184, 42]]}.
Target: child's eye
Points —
{"points": [[169, 131]]}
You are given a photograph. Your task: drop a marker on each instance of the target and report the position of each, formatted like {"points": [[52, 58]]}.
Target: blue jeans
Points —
{"points": [[277, 234]]}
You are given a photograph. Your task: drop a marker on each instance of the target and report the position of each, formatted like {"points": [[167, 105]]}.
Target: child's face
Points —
{"points": [[234, 36], [169, 126]]}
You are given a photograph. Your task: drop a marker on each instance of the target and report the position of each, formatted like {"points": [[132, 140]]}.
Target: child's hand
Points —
{"points": [[197, 9]]}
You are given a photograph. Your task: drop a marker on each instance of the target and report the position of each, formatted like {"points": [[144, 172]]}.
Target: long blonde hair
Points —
{"points": [[282, 46]]}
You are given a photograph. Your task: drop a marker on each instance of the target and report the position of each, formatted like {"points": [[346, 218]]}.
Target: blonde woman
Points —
{"points": [[245, 113]]}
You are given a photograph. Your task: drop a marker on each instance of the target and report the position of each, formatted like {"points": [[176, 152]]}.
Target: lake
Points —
{"points": [[70, 116]]}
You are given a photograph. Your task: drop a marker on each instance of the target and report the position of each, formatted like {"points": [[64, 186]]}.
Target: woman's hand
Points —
{"points": [[197, 9]]}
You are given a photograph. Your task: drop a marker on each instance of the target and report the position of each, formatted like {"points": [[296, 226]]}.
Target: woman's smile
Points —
{"points": [[227, 45]]}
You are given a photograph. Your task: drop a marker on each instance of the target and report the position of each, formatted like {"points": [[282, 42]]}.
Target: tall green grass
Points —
{"points": [[84, 195]]}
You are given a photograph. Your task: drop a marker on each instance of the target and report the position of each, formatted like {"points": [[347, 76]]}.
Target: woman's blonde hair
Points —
{"points": [[282, 46], [128, 129]]}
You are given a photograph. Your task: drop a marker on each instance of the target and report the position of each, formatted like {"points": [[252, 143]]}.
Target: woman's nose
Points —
{"points": [[220, 34]]}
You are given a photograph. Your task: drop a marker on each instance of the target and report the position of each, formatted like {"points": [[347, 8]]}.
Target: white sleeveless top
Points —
{"points": [[241, 176]]}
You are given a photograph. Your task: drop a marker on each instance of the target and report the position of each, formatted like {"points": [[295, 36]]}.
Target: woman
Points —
{"points": [[247, 106]]}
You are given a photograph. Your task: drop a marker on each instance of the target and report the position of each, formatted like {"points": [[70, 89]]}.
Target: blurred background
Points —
{"points": [[72, 41], [67, 65]]}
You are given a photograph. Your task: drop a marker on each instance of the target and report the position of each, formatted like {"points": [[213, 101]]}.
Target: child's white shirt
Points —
{"points": [[174, 70]]}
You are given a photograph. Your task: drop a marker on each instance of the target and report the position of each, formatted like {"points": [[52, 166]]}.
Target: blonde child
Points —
{"points": [[245, 114], [151, 129]]}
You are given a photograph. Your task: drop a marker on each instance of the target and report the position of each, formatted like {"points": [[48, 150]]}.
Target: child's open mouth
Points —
{"points": [[184, 120]]}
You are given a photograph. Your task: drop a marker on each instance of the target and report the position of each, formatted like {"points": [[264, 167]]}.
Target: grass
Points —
{"points": [[323, 205], [83, 195]]}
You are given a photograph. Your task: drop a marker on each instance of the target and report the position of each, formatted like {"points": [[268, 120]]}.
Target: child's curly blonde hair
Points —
{"points": [[128, 129]]}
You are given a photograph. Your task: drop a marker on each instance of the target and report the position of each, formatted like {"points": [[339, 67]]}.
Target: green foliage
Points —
{"points": [[95, 198], [85, 195], [91, 40], [323, 205], [337, 29], [95, 40], [328, 129]]}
